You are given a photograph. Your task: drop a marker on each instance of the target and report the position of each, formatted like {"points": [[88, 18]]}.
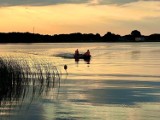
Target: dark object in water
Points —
{"points": [[65, 67], [82, 56]]}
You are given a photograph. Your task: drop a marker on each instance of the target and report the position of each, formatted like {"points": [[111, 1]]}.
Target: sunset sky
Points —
{"points": [[86, 16]]}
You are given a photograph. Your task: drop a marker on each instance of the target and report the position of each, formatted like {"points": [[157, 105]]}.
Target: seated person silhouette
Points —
{"points": [[76, 53], [87, 53]]}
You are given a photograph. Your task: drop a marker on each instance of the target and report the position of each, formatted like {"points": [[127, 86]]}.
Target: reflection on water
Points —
{"points": [[121, 83], [116, 92], [87, 61]]}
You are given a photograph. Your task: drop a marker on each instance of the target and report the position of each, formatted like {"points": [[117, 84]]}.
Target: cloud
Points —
{"points": [[53, 2], [39, 2], [116, 2]]}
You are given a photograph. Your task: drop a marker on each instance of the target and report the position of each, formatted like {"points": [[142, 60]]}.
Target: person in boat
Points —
{"points": [[87, 53], [76, 53]]}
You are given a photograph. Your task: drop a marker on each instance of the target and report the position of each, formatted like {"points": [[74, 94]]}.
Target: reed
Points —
{"points": [[25, 77]]}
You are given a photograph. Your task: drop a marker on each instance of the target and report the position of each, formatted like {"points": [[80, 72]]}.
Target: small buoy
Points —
{"points": [[65, 67]]}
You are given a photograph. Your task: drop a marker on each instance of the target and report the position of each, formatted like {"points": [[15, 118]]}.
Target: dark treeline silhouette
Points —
{"points": [[135, 36]]}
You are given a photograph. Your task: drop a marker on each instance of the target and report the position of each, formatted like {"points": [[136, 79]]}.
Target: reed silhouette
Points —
{"points": [[22, 79]]}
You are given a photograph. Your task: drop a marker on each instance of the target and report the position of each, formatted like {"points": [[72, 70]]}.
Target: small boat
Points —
{"points": [[82, 56]]}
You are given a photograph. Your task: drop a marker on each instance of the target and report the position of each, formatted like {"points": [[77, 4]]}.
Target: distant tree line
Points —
{"points": [[135, 36]]}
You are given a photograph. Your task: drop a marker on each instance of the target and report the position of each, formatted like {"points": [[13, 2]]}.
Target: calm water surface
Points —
{"points": [[121, 82]]}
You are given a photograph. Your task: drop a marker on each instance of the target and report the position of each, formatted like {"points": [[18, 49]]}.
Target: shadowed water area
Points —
{"points": [[121, 81]]}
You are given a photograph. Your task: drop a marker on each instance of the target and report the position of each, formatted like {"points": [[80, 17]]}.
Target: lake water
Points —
{"points": [[121, 82]]}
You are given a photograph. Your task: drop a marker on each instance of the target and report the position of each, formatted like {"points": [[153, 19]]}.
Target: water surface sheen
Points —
{"points": [[121, 82]]}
